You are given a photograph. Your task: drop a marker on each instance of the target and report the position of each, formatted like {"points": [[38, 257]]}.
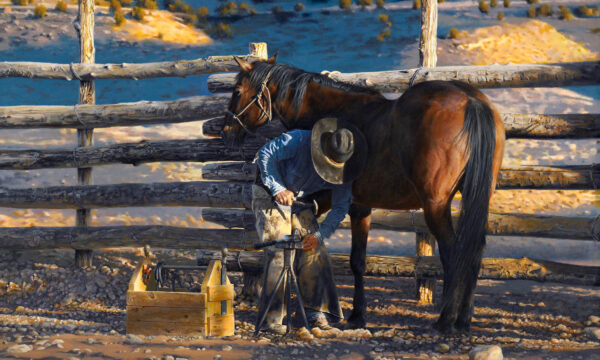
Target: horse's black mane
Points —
{"points": [[291, 79]]}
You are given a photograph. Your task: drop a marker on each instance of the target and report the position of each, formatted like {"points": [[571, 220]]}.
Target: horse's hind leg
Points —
{"points": [[469, 272], [360, 218], [439, 221]]}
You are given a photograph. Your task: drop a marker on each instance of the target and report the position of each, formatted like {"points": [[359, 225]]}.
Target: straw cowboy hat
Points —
{"points": [[338, 150]]}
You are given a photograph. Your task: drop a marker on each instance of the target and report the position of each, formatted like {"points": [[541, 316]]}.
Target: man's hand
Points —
{"points": [[285, 197], [310, 242]]}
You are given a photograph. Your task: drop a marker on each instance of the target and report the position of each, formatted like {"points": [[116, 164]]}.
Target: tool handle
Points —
{"points": [[264, 244]]}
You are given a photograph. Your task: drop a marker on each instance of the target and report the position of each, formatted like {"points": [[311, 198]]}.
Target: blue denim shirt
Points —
{"points": [[286, 163]]}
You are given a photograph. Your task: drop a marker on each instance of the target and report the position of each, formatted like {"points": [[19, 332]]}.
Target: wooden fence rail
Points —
{"points": [[582, 177], [524, 126], [179, 68], [544, 226], [123, 114], [98, 237], [489, 76], [430, 267], [195, 193]]}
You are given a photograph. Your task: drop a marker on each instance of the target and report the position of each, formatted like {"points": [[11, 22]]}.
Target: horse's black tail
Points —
{"points": [[480, 129]]}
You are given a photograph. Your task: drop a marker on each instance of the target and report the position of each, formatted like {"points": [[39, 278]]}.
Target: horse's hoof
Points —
{"points": [[444, 327], [353, 324]]}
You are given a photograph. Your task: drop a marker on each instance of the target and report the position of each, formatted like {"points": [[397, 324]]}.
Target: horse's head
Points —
{"points": [[251, 104]]}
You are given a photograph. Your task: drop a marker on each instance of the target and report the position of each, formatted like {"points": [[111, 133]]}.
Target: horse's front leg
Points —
{"points": [[360, 218]]}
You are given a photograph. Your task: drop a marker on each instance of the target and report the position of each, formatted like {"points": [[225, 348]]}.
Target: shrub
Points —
{"points": [[119, 18], [383, 18], [138, 13], [221, 31], [506, 3], [416, 4], [493, 3], [385, 34], [363, 3], [453, 33], [345, 4], [565, 13], [544, 10], [202, 12], [531, 12], [252, 12], [533, 1], [61, 6], [244, 7], [126, 3], [484, 7], [585, 11], [39, 11], [147, 4], [299, 7], [380, 4], [228, 9], [276, 10], [115, 6], [500, 16]]}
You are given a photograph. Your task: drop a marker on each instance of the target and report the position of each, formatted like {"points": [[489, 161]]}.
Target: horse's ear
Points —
{"points": [[272, 60], [246, 66]]}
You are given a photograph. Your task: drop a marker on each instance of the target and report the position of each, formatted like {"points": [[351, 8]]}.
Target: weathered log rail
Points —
{"points": [[523, 126], [430, 267], [580, 177], [530, 225], [488, 76], [179, 68], [98, 237], [124, 114]]}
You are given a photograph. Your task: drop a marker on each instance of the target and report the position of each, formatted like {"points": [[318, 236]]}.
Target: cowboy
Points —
{"points": [[301, 163]]}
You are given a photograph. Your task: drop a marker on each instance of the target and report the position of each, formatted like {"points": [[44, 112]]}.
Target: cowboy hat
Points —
{"points": [[338, 150]]}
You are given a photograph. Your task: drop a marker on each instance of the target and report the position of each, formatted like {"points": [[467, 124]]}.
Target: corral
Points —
{"points": [[224, 190]]}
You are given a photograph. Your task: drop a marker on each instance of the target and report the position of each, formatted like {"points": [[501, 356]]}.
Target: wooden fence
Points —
{"points": [[224, 190]]}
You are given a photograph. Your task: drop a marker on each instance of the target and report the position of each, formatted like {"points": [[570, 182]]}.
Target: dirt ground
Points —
{"points": [[50, 310]]}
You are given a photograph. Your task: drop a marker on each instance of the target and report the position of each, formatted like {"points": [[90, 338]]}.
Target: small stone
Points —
{"points": [[20, 309], [594, 319], [19, 349], [442, 348], [113, 332], [592, 332], [227, 348], [486, 352], [169, 357], [133, 339], [331, 357], [90, 341], [217, 357]]}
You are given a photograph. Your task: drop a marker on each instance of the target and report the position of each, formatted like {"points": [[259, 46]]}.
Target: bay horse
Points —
{"points": [[437, 138]]}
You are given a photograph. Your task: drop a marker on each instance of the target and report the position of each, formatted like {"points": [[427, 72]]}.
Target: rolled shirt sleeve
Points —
{"points": [[341, 198], [278, 149]]}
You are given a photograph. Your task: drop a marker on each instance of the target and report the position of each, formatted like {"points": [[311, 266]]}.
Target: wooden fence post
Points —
{"points": [[253, 280], [87, 95], [427, 58]]}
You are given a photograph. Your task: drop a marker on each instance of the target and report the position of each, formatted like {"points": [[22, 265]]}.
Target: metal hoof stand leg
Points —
{"points": [[289, 245]]}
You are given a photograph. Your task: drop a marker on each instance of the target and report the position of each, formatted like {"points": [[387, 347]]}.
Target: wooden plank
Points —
{"points": [[574, 177], [522, 126], [219, 292], [219, 325], [178, 315], [122, 114], [554, 227], [194, 193], [165, 328], [377, 265], [136, 283], [179, 68], [156, 236], [200, 150], [166, 299], [487, 76]]}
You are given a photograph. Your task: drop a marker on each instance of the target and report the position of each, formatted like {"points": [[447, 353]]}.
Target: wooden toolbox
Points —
{"points": [[151, 312]]}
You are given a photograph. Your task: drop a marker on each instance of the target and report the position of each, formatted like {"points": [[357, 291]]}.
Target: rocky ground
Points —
{"points": [[48, 309]]}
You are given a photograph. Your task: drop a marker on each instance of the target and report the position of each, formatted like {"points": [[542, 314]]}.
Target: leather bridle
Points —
{"points": [[268, 113]]}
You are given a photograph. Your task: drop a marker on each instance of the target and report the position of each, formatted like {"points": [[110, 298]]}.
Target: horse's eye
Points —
{"points": [[238, 91]]}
